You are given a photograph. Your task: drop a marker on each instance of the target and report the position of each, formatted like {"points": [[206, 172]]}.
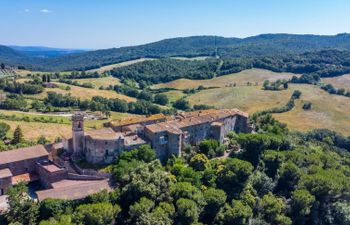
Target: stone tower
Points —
{"points": [[78, 134]]}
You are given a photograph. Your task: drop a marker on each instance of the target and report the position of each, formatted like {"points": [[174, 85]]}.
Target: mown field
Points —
{"points": [[339, 82], [83, 93], [100, 82], [328, 111], [240, 79], [61, 127]]}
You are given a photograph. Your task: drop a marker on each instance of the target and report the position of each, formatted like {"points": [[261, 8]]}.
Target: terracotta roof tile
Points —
{"points": [[193, 118], [74, 190], [23, 154]]}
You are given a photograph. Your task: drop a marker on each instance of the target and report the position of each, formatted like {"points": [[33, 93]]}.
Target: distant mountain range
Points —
{"points": [[45, 52], [48, 59]]}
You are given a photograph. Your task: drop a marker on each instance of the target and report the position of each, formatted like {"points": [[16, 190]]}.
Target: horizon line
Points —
{"points": [[167, 38]]}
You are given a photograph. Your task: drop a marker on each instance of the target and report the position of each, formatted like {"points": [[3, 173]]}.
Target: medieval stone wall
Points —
{"points": [[102, 151]]}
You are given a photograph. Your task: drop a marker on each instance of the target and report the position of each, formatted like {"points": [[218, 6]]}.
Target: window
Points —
{"points": [[163, 140]]}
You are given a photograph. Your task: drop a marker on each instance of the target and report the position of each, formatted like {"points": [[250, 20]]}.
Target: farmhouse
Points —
{"points": [[167, 135]]}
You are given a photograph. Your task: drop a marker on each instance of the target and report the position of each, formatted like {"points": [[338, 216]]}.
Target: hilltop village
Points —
{"points": [[61, 178]]}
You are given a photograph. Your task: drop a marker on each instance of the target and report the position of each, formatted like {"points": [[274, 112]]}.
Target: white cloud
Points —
{"points": [[26, 10], [46, 11]]}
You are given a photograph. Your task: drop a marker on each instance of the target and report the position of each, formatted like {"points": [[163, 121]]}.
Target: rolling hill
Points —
{"points": [[261, 45]]}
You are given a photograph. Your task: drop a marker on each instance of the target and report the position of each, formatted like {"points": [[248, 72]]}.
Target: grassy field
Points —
{"points": [[33, 130], [329, 111], [240, 79], [339, 82], [246, 98], [110, 67], [174, 95], [84, 93], [100, 82]]}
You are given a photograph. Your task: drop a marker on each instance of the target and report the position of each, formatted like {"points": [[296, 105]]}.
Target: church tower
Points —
{"points": [[78, 134]]}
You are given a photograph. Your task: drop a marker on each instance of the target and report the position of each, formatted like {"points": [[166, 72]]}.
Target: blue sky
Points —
{"points": [[114, 23]]}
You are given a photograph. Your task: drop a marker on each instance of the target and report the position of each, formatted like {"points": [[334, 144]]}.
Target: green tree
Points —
{"points": [[233, 176], [302, 202], [146, 153], [289, 177], [21, 208], [272, 209], [261, 183], [140, 208], [161, 215], [188, 191], [207, 145], [341, 212], [96, 214], [237, 214], [43, 78], [18, 136], [182, 104], [161, 99], [4, 128], [187, 211], [147, 180], [199, 162], [42, 140], [254, 145], [63, 220], [215, 199], [53, 208]]}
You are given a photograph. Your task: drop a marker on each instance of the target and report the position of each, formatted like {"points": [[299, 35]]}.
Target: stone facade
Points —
{"points": [[78, 134], [170, 137], [5, 180], [167, 135], [20, 164], [50, 173]]}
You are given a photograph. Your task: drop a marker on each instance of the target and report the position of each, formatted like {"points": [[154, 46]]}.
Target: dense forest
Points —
{"points": [[278, 178], [257, 46], [326, 63], [164, 70]]}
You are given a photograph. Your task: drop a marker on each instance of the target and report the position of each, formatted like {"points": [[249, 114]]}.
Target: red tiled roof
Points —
{"points": [[74, 190], [193, 118], [23, 154], [26, 177]]}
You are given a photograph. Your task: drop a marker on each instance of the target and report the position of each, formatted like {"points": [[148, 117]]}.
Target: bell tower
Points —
{"points": [[78, 134]]}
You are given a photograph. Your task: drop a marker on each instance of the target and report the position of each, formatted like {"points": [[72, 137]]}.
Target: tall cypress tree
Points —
{"points": [[17, 136]]}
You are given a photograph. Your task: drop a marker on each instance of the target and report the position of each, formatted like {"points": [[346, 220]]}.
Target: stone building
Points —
{"points": [[167, 135], [170, 137], [33, 164], [20, 165]]}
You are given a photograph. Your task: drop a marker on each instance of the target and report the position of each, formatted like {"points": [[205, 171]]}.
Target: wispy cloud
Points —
{"points": [[26, 10], [46, 11]]}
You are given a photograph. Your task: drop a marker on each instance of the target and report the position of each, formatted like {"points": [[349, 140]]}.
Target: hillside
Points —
{"points": [[261, 45]]}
